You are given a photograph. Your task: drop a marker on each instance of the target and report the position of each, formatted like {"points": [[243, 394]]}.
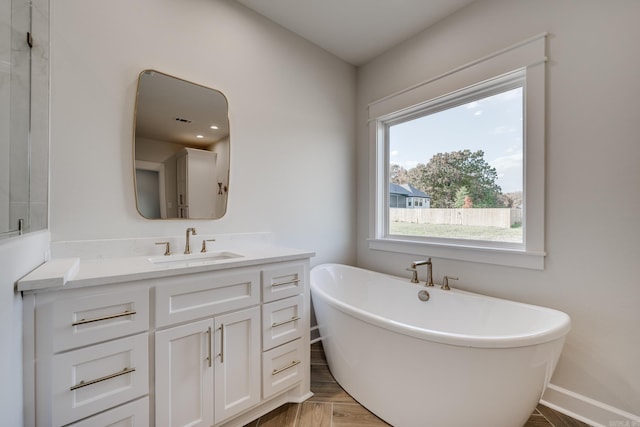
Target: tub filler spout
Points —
{"points": [[429, 264]]}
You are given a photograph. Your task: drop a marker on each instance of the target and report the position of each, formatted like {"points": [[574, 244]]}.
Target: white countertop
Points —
{"points": [[76, 273]]}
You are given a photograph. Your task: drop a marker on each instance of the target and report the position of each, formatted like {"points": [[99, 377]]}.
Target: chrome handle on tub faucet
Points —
{"points": [[445, 282], [414, 275]]}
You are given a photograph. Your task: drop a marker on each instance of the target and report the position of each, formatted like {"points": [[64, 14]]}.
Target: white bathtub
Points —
{"points": [[458, 359]]}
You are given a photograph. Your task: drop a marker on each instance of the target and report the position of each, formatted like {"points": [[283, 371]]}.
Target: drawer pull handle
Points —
{"points": [[209, 347], [221, 343], [293, 319], [289, 282], [289, 366], [97, 380], [98, 319]]}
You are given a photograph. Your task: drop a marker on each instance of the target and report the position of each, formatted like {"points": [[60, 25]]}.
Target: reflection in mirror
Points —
{"points": [[181, 149]]}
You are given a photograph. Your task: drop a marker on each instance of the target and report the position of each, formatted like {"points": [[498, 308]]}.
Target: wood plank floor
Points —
{"points": [[331, 406]]}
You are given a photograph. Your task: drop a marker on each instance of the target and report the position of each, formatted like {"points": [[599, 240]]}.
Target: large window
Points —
{"points": [[465, 152], [471, 143]]}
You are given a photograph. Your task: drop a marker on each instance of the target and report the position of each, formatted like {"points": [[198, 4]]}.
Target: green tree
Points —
{"points": [[398, 174], [446, 173]]}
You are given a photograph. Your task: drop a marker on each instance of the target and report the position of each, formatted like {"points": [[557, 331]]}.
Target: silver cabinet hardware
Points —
{"points": [[221, 344], [98, 319], [293, 319], [289, 282], [209, 346], [289, 366], [105, 378]]}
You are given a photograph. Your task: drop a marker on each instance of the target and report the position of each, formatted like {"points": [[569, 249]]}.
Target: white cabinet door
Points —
{"points": [[184, 375], [237, 362]]}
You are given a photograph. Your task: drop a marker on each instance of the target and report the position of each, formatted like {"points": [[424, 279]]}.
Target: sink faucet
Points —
{"points": [[187, 248], [429, 264]]}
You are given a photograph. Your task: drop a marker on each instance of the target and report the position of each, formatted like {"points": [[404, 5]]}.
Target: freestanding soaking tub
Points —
{"points": [[458, 359]]}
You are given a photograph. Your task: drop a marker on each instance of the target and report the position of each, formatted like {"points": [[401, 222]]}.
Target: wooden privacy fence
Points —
{"points": [[486, 217]]}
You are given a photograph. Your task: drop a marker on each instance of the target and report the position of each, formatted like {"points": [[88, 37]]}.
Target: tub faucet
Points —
{"points": [[429, 264], [187, 248]]}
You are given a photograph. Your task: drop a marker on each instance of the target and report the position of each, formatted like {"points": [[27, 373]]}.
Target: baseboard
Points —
{"points": [[587, 410]]}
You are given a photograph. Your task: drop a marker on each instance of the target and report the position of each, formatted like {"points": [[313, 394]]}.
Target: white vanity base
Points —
{"points": [[122, 339]]}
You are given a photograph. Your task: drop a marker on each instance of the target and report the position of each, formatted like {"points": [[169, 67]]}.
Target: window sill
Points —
{"points": [[496, 256]]}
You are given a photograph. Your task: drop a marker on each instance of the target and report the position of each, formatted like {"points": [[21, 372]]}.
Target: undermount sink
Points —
{"points": [[197, 257]]}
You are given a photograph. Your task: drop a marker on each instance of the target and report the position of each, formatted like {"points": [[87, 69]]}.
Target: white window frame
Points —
{"points": [[528, 56]]}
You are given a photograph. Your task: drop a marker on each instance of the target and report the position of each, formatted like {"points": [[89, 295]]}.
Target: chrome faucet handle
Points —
{"points": [[445, 282], [167, 247], [204, 244], [414, 276]]}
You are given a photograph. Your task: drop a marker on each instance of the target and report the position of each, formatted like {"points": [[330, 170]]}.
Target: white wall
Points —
{"points": [[291, 108], [18, 256], [592, 174]]}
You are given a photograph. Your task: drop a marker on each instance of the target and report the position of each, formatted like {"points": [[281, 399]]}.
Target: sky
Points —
{"points": [[492, 124]]}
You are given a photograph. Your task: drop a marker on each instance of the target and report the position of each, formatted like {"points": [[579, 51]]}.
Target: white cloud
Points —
{"points": [[505, 163], [394, 153], [478, 113], [509, 171], [500, 130], [410, 164]]}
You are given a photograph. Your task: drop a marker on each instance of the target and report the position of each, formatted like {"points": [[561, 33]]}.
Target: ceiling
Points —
{"points": [[175, 110], [355, 30]]}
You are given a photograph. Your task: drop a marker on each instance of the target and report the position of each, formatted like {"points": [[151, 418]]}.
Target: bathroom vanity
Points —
{"points": [[213, 340]]}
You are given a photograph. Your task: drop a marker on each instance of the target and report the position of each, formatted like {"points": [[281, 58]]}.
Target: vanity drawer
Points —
{"points": [[132, 414], [92, 379], [282, 367], [282, 321], [282, 281], [83, 320], [200, 295]]}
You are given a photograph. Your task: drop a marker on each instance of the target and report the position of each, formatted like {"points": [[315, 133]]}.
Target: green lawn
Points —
{"points": [[513, 234]]}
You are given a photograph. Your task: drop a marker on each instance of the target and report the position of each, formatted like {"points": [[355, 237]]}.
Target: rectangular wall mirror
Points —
{"points": [[181, 149]]}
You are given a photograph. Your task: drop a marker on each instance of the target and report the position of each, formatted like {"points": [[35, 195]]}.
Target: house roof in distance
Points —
{"points": [[407, 190]]}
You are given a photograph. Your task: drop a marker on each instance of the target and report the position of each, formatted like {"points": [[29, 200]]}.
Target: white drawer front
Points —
{"points": [[282, 321], [282, 367], [282, 281], [96, 378], [84, 320], [129, 415], [199, 295]]}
